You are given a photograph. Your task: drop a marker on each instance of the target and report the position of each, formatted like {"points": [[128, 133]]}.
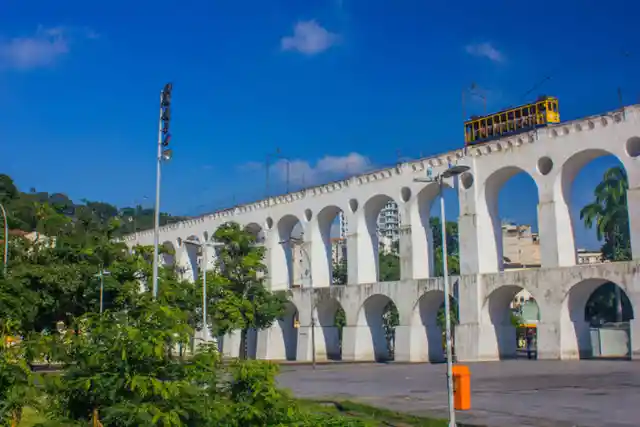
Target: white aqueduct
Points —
{"points": [[552, 157]]}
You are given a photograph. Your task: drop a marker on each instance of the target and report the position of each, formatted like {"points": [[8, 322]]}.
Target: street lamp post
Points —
{"points": [[5, 256], [451, 172], [101, 275], [204, 247], [313, 320]]}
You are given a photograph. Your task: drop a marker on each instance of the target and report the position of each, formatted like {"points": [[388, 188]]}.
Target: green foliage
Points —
{"points": [[121, 366], [516, 319], [389, 263], [602, 306], [389, 267], [609, 215], [340, 273], [453, 311], [390, 320], [25, 210], [237, 296], [453, 247], [16, 384]]}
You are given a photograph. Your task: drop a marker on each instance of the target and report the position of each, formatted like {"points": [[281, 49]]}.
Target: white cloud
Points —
{"points": [[41, 49], [327, 168], [485, 50], [309, 38]]}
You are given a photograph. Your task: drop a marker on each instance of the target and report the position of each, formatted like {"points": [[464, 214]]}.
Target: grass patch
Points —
{"points": [[371, 415]]}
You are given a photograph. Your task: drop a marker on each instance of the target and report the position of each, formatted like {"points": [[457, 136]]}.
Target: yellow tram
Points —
{"points": [[511, 121]]}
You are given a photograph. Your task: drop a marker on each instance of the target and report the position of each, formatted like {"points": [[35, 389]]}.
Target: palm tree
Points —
{"points": [[611, 219], [608, 213]]}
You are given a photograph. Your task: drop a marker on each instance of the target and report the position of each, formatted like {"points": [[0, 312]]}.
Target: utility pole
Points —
{"points": [[5, 256], [276, 155], [164, 154]]}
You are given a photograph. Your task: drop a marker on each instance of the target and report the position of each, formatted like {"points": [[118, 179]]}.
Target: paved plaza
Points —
{"points": [[504, 394]]}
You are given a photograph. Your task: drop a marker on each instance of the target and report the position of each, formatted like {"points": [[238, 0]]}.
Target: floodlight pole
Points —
{"points": [[156, 222]]}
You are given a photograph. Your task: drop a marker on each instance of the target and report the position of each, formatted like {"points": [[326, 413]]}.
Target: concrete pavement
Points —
{"points": [[512, 393]]}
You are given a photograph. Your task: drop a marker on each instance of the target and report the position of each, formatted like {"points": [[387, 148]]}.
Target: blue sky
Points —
{"points": [[337, 85]]}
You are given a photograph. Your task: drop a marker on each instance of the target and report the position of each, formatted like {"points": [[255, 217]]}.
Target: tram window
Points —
{"points": [[510, 115], [525, 111], [542, 107], [517, 112], [503, 118]]}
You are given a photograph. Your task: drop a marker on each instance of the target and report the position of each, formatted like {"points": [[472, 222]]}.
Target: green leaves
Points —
{"points": [[608, 214], [237, 296]]}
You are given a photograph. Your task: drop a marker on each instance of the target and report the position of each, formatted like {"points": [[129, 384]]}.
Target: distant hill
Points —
{"points": [[22, 209]]}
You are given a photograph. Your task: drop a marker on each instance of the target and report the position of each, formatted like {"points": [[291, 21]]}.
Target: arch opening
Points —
{"points": [[595, 321], [193, 252], [513, 312], [291, 266], [380, 315], [512, 201], [382, 223], [428, 238], [257, 231], [333, 228], [168, 254], [331, 321], [428, 330], [289, 325], [594, 186]]}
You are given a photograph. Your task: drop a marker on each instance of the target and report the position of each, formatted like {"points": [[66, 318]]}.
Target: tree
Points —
{"points": [[389, 267], [453, 247], [609, 215], [120, 371], [16, 384], [390, 320], [339, 272], [55, 279], [238, 297]]}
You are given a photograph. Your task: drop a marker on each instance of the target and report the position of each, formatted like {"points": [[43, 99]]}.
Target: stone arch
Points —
{"points": [[500, 340], [257, 231], [325, 252], [422, 239], [370, 247], [493, 235], [190, 265], [328, 342], [426, 334], [168, 255], [288, 326], [282, 257], [562, 191], [371, 341], [575, 329]]}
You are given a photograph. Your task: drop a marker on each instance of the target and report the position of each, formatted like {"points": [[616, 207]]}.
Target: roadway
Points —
{"points": [[511, 393]]}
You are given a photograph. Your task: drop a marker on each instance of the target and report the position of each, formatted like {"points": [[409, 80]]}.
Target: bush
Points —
{"points": [[122, 368]]}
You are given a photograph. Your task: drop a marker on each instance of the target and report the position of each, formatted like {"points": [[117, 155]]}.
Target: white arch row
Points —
{"points": [[562, 330], [552, 158]]}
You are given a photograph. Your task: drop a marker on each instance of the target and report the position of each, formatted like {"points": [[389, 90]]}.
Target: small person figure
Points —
{"points": [[530, 336]]}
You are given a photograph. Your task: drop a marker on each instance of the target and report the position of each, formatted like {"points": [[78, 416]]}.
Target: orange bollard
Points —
{"points": [[461, 388]]}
